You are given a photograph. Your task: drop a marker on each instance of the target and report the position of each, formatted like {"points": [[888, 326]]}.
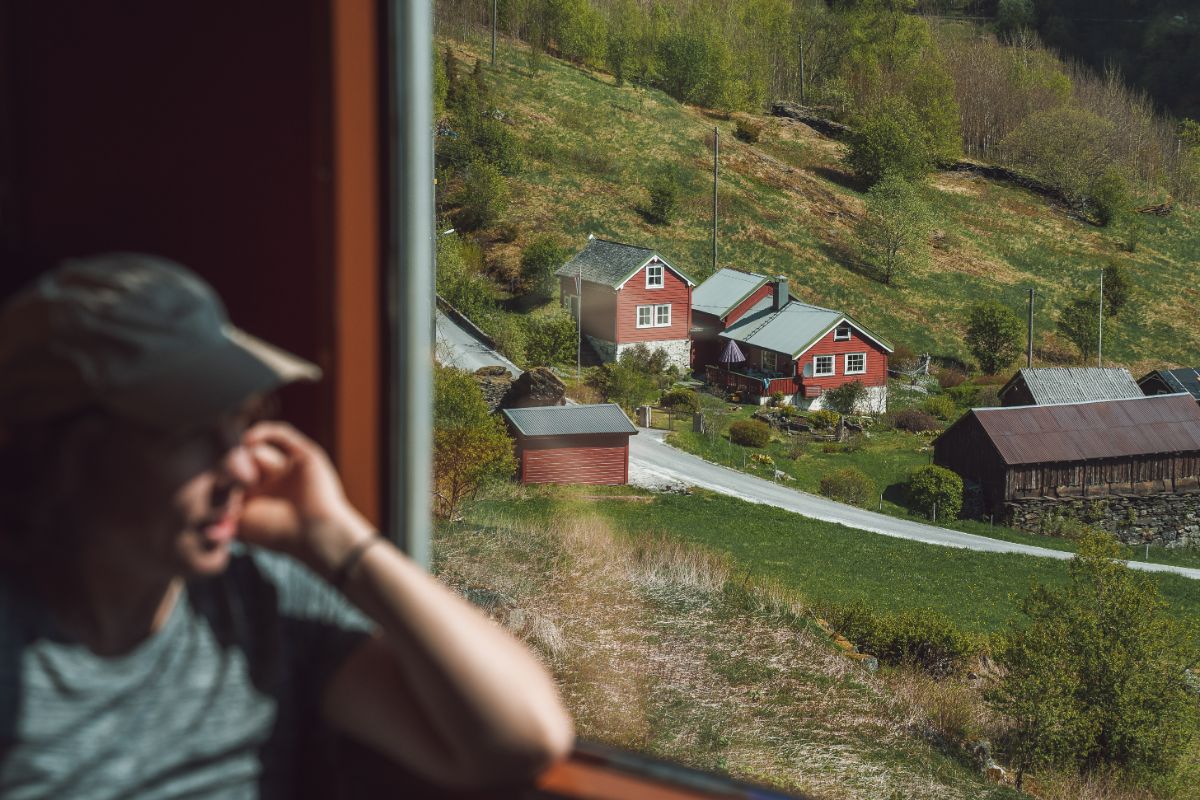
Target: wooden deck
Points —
{"points": [[754, 384]]}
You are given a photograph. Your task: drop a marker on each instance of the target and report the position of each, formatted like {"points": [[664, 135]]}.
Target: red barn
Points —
{"points": [[571, 444], [788, 347], [626, 296]]}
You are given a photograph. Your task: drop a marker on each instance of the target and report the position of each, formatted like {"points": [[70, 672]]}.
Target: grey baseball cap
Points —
{"points": [[137, 335]]}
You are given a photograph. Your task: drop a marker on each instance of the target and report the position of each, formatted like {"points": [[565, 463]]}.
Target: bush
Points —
{"points": [[914, 421], [470, 446], [940, 406], [749, 433], [889, 142], [1097, 677], [935, 487], [994, 335], [680, 400], [624, 384], [748, 131], [655, 362], [1110, 198], [823, 419], [551, 339], [846, 398], [664, 197], [849, 485], [510, 334], [483, 199], [948, 377], [918, 637], [539, 260]]}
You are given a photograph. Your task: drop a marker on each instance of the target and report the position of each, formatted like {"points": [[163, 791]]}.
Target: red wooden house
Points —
{"points": [[627, 296], [571, 444], [787, 347]]}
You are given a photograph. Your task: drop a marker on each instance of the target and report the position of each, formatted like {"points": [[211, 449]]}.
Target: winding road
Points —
{"points": [[653, 461]]}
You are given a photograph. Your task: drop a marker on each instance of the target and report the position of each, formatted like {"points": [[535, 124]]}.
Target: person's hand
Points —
{"points": [[297, 506]]}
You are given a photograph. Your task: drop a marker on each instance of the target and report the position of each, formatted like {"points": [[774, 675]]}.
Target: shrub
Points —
{"points": [[470, 445], [777, 398], [749, 433], [935, 487], [844, 400], [762, 458], [624, 384], [940, 406], [664, 196], [963, 395], [987, 397], [484, 197], [551, 338], [797, 452], [914, 421], [903, 358], [823, 419], [848, 485], [948, 377], [655, 362], [510, 334], [680, 400], [918, 637], [1110, 198], [748, 131], [539, 260], [1080, 324], [1097, 676], [889, 141]]}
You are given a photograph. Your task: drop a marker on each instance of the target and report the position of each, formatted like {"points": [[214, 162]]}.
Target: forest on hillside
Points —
{"points": [[973, 78]]}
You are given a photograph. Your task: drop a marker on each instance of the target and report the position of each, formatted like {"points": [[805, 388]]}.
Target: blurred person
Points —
{"points": [[185, 591]]}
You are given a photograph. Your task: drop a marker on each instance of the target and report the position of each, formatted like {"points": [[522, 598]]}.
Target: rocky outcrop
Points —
{"points": [[834, 130], [495, 383], [536, 387], [1169, 520]]}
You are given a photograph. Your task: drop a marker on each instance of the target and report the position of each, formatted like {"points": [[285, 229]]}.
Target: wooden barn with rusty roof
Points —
{"points": [[1147, 445]]}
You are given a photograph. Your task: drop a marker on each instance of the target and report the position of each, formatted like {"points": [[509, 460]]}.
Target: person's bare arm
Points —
{"points": [[443, 690]]}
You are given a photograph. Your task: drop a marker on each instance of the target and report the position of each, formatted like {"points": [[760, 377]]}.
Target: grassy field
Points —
{"points": [[787, 206], [886, 456], [829, 564]]}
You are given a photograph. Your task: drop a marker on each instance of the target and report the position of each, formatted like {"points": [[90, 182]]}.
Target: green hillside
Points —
{"points": [[788, 206]]}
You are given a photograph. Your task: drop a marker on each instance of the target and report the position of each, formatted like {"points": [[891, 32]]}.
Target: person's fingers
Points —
{"points": [[270, 461], [291, 441]]}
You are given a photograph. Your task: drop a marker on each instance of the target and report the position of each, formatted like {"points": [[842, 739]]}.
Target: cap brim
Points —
{"points": [[198, 388]]}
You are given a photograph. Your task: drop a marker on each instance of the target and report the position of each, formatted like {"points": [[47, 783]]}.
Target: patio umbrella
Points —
{"points": [[732, 354]]}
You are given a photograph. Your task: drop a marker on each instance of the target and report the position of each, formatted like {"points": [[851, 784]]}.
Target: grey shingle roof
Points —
{"points": [[568, 420], [611, 263], [793, 329], [1050, 385], [725, 289], [1178, 380]]}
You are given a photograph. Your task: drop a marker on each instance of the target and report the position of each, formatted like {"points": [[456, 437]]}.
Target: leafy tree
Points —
{"points": [[994, 335], [484, 197], [459, 281], [552, 338], [889, 141], [539, 260], [1096, 676], [470, 445], [1079, 322], [1014, 15], [697, 66], [624, 384], [934, 487], [1110, 198], [664, 196], [1117, 289], [895, 230], [844, 400], [1067, 148]]}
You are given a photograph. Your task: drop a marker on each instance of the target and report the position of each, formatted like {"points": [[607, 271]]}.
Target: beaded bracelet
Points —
{"points": [[342, 573]]}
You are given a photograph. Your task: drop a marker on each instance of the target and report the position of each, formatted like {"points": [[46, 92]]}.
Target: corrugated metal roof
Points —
{"points": [[792, 329], [724, 290], [1050, 385], [569, 420], [611, 263], [1167, 423], [1179, 380]]}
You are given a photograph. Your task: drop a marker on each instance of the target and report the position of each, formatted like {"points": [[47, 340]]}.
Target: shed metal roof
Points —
{"points": [[1050, 385], [724, 289], [611, 263], [569, 420], [792, 329], [1179, 380], [1167, 423]]}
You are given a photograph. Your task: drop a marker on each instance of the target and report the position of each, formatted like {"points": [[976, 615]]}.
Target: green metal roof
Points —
{"points": [[793, 329], [569, 420], [611, 263], [722, 292]]}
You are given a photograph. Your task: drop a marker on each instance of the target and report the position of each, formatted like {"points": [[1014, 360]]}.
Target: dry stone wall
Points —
{"points": [[1167, 520]]}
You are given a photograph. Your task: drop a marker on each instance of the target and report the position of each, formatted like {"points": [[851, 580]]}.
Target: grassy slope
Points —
{"points": [[788, 208], [672, 652]]}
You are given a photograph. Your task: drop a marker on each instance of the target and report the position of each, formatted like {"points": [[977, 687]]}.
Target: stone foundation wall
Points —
{"points": [[875, 401], [1169, 520], [679, 350]]}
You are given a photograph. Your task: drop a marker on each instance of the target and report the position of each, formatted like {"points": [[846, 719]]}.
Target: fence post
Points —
{"points": [[935, 510]]}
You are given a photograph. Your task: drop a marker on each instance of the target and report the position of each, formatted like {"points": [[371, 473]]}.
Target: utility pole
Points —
{"points": [[579, 326], [716, 149], [1029, 340], [1100, 329], [494, 33]]}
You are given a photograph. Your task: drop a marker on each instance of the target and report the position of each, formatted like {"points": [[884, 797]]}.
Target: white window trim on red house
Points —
{"points": [[846, 370], [818, 373], [837, 332], [653, 314], [652, 269]]}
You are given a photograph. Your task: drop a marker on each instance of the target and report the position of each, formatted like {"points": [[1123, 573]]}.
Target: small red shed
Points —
{"points": [[571, 444]]}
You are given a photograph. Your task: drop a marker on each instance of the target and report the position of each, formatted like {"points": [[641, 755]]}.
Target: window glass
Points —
{"points": [[823, 365], [856, 363], [662, 315], [654, 276], [643, 316], [768, 360], [842, 333]]}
